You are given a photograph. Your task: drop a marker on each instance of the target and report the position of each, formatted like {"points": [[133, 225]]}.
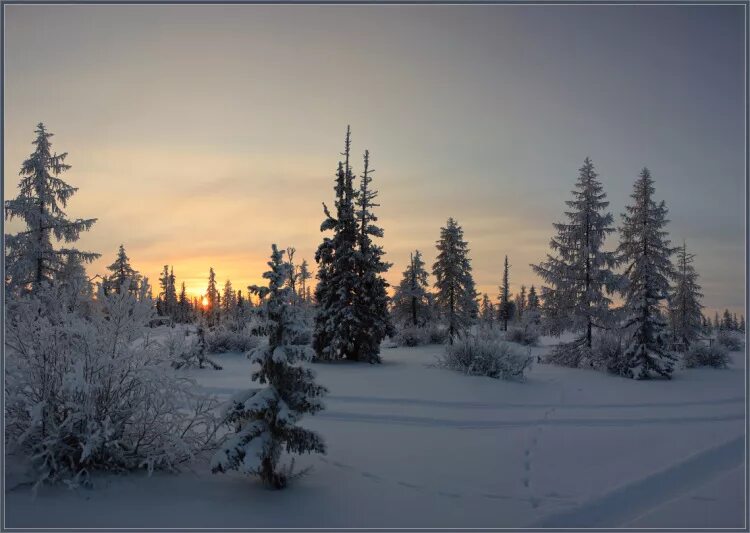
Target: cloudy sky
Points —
{"points": [[199, 135]]}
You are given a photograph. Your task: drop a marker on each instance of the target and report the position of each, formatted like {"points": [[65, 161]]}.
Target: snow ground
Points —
{"points": [[416, 446]]}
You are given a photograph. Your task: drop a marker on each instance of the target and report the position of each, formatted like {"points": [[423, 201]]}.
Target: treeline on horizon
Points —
{"points": [[659, 294]]}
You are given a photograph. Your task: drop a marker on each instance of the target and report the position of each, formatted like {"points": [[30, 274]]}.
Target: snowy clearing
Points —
{"points": [[410, 445]]}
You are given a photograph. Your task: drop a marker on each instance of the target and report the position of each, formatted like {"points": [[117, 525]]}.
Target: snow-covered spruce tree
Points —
{"points": [[168, 296], [685, 309], [645, 251], [521, 303], [30, 256], [122, 272], [212, 310], [264, 419], [505, 308], [184, 309], [580, 273], [77, 289], [456, 292], [229, 304], [487, 311], [336, 324], [410, 299], [303, 274], [371, 296]]}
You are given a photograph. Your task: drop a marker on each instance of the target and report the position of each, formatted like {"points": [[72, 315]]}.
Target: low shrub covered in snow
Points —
{"points": [[528, 335], [221, 339], [86, 394], [700, 354], [485, 355], [421, 335], [731, 340]]}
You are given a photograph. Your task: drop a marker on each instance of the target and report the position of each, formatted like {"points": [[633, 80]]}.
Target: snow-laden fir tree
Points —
{"points": [[686, 311], [30, 255], [167, 302], [265, 419], [122, 275], [184, 309], [521, 302], [456, 293], [645, 251], [371, 294], [486, 311], [505, 307], [228, 300], [303, 274], [579, 274], [336, 325], [76, 286], [532, 302], [213, 300], [411, 301]]}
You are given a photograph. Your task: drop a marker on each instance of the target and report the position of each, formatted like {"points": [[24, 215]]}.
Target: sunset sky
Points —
{"points": [[199, 135]]}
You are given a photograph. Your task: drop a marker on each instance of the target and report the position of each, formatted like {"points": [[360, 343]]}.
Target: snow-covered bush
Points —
{"points": [[264, 419], [409, 336], [421, 335], [87, 394], [194, 352], [485, 355], [527, 335], [221, 339], [700, 354], [609, 353], [731, 340]]}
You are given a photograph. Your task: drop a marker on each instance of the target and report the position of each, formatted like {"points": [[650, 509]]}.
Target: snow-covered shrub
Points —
{"points": [[420, 335], [436, 334], [409, 336], [264, 419], [221, 339], [87, 394], [527, 335], [700, 354], [731, 340], [193, 352], [571, 354], [485, 355], [609, 353]]}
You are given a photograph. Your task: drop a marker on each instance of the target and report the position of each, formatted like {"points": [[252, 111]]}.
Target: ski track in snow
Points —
{"points": [[496, 424], [633, 500], [484, 405]]}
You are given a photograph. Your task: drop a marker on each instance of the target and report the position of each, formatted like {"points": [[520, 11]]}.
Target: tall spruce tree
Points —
{"points": [[265, 419], [336, 324], [183, 305], [122, 275], [686, 311], [303, 275], [645, 251], [505, 307], [533, 299], [213, 300], [30, 256], [371, 294], [487, 311], [521, 302], [411, 300], [456, 292], [580, 273]]}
